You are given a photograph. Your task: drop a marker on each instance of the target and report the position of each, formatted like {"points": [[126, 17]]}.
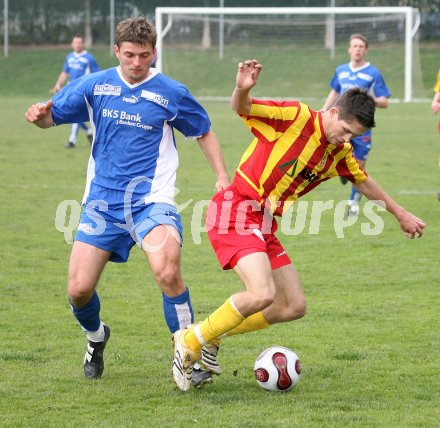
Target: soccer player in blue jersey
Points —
{"points": [[358, 73], [77, 64], [129, 195]]}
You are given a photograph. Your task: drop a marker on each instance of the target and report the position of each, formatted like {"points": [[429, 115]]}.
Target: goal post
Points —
{"points": [[178, 28]]}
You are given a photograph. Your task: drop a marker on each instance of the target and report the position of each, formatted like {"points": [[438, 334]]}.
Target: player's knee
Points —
{"points": [[79, 294], [169, 279], [262, 299], [296, 309]]}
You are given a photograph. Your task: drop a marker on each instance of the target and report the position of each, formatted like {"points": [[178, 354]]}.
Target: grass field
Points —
{"points": [[299, 71], [369, 344]]}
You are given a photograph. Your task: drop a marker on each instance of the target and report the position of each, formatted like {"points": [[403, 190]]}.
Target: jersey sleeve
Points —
{"points": [[94, 67], [349, 167], [70, 105], [191, 119], [334, 83], [380, 88], [66, 67], [268, 119]]}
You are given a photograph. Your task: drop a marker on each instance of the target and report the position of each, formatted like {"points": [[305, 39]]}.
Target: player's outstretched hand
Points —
{"points": [[39, 112], [247, 75], [411, 225]]}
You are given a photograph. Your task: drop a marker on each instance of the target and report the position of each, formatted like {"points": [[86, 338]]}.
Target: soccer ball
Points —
{"points": [[277, 369]]}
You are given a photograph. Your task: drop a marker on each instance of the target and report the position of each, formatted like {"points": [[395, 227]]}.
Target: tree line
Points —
{"points": [[56, 21]]}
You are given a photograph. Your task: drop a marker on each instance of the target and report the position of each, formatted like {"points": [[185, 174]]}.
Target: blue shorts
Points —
{"points": [[112, 229], [361, 146]]}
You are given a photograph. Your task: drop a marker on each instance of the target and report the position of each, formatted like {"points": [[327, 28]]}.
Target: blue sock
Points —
{"points": [[83, 126], [355, 195], [178, 311], [88, 315]]}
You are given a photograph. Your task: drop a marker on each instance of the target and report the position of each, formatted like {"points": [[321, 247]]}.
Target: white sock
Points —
{"points": [[96, 336], [73, 133]]}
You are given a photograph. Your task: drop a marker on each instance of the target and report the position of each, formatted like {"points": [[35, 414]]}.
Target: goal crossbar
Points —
{"points": [[411, 25]]}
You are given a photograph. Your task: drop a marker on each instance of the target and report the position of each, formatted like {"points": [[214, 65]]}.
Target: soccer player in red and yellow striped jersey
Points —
{"points": [[436, 108], [290, 154], [294, 150], [436, 100]]}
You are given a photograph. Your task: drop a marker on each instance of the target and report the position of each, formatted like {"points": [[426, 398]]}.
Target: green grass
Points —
{"points": [[369, 344], [292, 71]]}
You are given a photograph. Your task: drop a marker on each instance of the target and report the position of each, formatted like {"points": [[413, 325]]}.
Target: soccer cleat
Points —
{"points": [[94, 358], [90, 138], [183, 361], [344, 180], [209, 357], [200, 377], [70, 145]]}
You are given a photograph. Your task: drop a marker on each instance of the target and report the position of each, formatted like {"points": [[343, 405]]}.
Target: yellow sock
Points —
{"points": [[251, 323], [225, 318]]}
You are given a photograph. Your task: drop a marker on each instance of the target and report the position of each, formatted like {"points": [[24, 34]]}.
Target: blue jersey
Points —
{"points": [[78, 65], [134, 148], [366, 77]]}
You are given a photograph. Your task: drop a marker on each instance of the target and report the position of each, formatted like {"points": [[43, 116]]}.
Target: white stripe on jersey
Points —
{"points": [[163, 188]]}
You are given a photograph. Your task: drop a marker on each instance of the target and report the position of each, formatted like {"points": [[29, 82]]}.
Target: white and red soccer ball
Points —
{"points": [[277, 369]]}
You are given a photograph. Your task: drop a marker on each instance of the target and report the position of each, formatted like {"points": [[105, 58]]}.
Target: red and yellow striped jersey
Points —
{"points": [[290, 155], [437, 83]]}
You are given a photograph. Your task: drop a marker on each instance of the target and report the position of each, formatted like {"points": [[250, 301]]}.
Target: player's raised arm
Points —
{"points": [[247, 76], [409, 223], [40, 114]]}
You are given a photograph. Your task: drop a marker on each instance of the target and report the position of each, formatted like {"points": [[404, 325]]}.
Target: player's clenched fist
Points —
{"points": [[40, 114]]}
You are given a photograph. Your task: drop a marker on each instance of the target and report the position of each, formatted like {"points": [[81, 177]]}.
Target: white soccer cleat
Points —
{"points": [[209, 357], [183, 362]]}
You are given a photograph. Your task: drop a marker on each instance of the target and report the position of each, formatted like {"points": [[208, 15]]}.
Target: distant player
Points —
{"points": [[436, 108], [77, 64], [358, 73]]}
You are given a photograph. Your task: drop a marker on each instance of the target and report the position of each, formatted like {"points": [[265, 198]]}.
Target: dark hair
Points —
{"points": [[136, 30], [357, 103]]}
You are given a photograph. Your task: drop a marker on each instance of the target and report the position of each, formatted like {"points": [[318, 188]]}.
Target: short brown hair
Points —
{"points": [[360, 37], [136, 30], [358, 104]]}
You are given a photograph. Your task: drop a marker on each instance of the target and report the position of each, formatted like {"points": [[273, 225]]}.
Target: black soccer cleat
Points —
{"points": [[200, 377], [344, 180], [70, 145], [94, 358]]}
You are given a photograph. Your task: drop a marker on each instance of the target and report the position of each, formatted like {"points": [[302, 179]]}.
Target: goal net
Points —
{"points": [[298, 47]]}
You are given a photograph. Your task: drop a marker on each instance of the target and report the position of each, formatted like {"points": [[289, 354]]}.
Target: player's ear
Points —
{"points": [[334, 112]]}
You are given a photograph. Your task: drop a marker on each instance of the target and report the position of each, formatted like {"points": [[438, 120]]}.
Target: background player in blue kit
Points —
{"points": [[129, 196], [358, 73], [77, 64]]}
